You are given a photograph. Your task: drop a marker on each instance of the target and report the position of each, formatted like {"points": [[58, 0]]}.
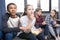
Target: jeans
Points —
{"points": [[45, 27], [30, 36], [41, 36], [51, 29], [1, 35], [58, 30], [10, 36]]}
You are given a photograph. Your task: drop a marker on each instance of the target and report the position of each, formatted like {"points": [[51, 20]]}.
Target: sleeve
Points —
{"points": [[33, 23], [42, 18], [23, 22], [47, 19]]}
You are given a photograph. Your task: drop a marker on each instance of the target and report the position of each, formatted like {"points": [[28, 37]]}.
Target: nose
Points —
{"points": [[13, 9], [32, 11]]}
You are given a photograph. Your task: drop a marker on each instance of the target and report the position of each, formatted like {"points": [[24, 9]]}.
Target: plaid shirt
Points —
{"points": [[48, 19], [39, 20]]}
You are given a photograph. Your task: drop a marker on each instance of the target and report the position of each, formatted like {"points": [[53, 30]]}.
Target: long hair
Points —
{"points": [[55, 16], [25, 9]]}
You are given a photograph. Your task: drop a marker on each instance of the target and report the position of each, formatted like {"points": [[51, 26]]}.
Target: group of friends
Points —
{"points": [[15, 25]]}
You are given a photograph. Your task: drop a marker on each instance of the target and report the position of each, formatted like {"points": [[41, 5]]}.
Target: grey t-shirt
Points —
{"points": [[25, 21], [13, 22]]}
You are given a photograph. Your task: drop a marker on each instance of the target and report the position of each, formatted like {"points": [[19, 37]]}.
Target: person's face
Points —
{"points": [[30, 10], [52, 13], [12, 9], [39, 12]]}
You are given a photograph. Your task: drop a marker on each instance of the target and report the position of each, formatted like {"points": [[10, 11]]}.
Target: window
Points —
{"points": [[19, 3], [54, 4], [44, 4], [32, 2]]}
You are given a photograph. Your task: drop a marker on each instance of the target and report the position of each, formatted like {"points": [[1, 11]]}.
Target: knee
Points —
{"points": [[41, 35], [1, 34], [32, 37], [9, 35], [46, 26]]}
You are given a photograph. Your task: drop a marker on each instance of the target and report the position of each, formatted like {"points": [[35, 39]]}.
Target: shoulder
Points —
{"points": [[48, 15], [23, 18], [6, 15]]}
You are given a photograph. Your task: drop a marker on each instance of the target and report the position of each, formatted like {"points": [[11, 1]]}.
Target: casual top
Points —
{"points": [[25, 21], [48, 19], [6, 28], [13, 22], [39, 20]]}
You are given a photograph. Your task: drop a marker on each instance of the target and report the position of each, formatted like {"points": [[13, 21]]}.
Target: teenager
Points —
{"points": [[51, 21], [10, 22], [27, 22], [40, 22]]}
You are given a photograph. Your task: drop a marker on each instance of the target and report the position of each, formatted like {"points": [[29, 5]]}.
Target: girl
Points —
{"points": [[27, 22], [51, 21]]}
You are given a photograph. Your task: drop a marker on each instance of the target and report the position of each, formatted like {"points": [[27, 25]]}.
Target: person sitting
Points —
{"points": [[51, 21], [28, 21], [40, 22], [10, 22]]}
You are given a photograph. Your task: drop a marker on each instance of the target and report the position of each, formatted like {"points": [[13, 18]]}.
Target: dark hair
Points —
{"points": [[25, 9], [37, 9], [9, 5]]}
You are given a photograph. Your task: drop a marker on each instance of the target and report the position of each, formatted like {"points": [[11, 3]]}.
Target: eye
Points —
{"points": [[29, 9], [14, 7], [11, 8]]}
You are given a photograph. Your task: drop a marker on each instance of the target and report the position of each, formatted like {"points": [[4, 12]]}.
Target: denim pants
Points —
{"points": [[51, 29], [1, 35], [10, 36], [30, 36], [44, 27], [41, 36], [58, 30]]}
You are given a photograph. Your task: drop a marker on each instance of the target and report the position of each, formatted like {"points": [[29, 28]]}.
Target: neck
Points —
{"points": [[29, 17], [13, 16]]}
